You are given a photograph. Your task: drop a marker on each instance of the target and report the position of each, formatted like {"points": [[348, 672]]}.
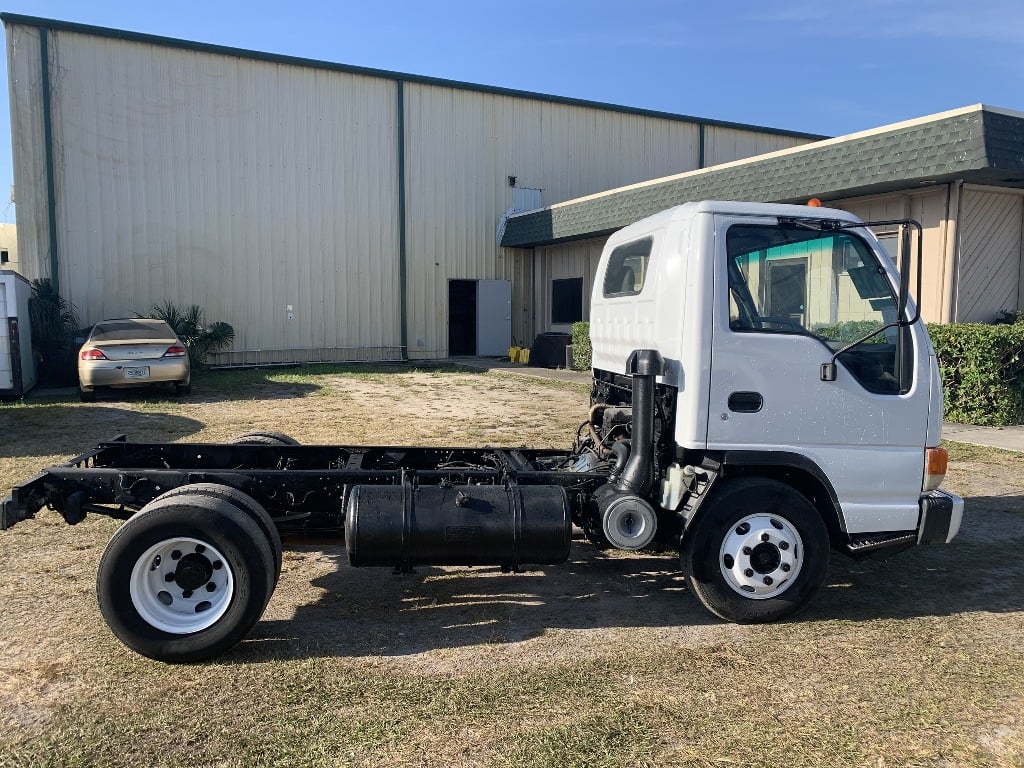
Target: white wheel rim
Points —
{"points": [[761, 556], [181, 585]]}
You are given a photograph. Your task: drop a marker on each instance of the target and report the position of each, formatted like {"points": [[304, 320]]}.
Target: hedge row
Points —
{"points": [[982, 372]]}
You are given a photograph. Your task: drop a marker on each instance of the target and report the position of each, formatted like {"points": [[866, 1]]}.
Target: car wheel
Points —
{"points": [[757, 552], [183, 389], [87, 396], [185, 578]]}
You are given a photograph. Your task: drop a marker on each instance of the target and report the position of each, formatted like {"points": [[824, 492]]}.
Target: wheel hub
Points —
{"points": [[181, 585], [761, 555], [193, 571]]}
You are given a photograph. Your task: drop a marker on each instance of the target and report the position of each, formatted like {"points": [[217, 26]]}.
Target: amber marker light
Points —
{"points": [[814, 202], [936, 460]]}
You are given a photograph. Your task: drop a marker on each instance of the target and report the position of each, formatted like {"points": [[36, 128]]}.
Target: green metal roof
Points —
{"points": [[274, 58], [976, 144]]}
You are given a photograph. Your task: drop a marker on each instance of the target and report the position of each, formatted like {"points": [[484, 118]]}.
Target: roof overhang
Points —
{"points": [[977, 144]]}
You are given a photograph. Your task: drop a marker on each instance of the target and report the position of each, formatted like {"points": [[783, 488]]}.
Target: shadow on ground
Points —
{"points": [[371, 612]]}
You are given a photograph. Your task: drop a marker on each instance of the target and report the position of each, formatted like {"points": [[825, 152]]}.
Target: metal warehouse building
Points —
{"points": [[327, 212]]}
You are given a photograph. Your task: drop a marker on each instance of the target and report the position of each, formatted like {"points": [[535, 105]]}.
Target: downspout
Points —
{"points": [[51, 187], [402, 269], [952, 251], [700, 149]]}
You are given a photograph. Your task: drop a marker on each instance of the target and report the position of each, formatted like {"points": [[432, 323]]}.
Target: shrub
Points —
{"points": [[581, 349], [55, 326], [982, 370], [199, 339]]}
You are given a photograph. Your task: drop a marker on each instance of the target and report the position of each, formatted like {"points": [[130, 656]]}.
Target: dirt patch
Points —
{"points": [[915, 660]]}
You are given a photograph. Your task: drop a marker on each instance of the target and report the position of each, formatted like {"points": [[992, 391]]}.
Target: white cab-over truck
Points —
{"points": [[764, 393]]}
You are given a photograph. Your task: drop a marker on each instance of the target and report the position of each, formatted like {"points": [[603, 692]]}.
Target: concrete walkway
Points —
{"points": [[1007, 438]]}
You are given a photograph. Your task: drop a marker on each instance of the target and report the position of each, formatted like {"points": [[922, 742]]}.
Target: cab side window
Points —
{"points": [[627, 268]]}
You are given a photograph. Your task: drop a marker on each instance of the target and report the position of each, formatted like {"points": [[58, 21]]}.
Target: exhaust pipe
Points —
{"points": [[638, 476], [628, 520]]}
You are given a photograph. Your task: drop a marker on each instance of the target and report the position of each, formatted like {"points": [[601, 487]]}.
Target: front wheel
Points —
{"points": [[757, 552], [185, 578]]}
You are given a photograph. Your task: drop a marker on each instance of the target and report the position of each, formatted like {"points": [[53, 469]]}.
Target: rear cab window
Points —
{"points": [[627, 268]]}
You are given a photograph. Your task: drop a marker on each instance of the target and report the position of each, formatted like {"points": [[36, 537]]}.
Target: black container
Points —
{"points": [[403, 525]]}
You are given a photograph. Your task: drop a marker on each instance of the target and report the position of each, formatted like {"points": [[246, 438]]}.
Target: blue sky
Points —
{"points": [[820, 67]]}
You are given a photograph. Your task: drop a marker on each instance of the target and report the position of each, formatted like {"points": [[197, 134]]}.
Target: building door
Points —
{"points": [[479, 317], [493, 317], [462, 317]]}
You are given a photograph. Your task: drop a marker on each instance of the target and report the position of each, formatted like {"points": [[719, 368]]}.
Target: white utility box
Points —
{"points": [[17, 365]]}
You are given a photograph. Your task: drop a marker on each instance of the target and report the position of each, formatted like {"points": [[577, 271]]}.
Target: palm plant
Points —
{"points": [[55, 325], [199, 338]]}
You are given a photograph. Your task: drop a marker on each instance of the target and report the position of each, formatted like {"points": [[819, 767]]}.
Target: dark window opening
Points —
{"points": [[566, 300], [4, 257]]}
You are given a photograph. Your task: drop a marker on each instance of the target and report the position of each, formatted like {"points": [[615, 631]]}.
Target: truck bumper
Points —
{"points": [[941, 515]]}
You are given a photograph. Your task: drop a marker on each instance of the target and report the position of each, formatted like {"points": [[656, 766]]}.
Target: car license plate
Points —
{"points": [[136, 373]]}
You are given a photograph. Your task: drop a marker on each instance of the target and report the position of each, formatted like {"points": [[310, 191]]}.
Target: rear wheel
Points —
{"points": [[757, 552], [263, 437], [183, 389], [246, 504], [87, 396], [185, 578]]}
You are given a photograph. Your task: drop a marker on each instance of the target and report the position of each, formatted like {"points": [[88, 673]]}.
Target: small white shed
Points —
{"points": [[17, 366]]}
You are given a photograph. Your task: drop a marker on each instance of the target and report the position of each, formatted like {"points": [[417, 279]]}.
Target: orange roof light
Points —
{"points": [[814, 202]]}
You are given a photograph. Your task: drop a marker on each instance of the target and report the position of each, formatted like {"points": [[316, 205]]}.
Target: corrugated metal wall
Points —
{"points": [[461, 148], [990, 262], [577, 259], [250, 186], [25, 84], [243, 186], [723, 145]]}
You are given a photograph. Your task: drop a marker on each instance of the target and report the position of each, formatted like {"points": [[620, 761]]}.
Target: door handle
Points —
{"points": [[745, 402]]}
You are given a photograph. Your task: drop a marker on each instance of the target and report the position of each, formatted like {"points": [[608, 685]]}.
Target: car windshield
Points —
{"points": [[129, 330]]}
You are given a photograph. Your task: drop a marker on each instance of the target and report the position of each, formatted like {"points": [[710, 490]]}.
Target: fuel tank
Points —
{"points": [[507, 525]]}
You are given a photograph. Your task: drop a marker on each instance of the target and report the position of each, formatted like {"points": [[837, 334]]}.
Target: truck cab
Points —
{"points": [[794, 368]]}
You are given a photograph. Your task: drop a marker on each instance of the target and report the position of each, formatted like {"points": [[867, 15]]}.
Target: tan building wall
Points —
{"points": [[9, 246]]}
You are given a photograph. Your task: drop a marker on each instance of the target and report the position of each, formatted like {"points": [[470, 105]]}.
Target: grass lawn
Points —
{"points": [[606, 660]]}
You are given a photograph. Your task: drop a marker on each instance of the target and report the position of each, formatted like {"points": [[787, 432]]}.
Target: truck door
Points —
{"points": [[787, 296]]}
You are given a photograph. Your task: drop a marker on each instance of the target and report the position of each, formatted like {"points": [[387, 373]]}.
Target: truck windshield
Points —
{"points": [[826, 284]]}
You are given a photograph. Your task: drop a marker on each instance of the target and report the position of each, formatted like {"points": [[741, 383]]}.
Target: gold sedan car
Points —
{"points": [[134, 352]]}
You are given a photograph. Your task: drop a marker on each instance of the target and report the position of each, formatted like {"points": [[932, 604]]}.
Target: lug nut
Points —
{"points": [[749, 572], [747, 550], [786, 567], [187, 594], [169, 577], [783, 545], [217, 565], [768, 580], [175, 555], [200, 549], [765, 537]]}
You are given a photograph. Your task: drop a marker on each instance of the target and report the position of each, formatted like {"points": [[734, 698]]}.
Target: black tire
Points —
{"points": [[183, 389], [742, 577], [87, 396], [263, 437], [246, 504], [191, 544]]}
